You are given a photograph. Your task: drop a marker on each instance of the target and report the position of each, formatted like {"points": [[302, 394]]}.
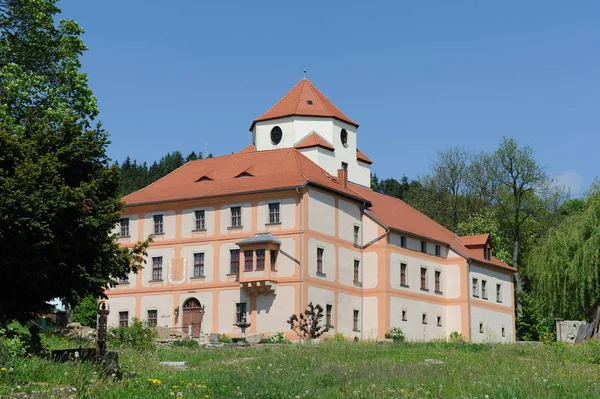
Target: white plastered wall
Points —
{"points": [[348, 217], [273, 311], [450, 276], [169, 227], [321, 212], [246, 209], [120, 304], [163, 304], [188, 221], [167, 255], [413, 327], [492, 278], [287, 214], [414, 244], [286, 266], [493, 322], [329, 259], [370, 229], [188, 252], [227, 308]]}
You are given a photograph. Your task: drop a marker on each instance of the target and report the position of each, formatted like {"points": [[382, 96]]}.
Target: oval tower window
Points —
{"points": [[344, 137], [276, 134]]}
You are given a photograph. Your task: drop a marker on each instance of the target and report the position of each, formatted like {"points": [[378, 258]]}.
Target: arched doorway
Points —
{"points": [[192, 317]]}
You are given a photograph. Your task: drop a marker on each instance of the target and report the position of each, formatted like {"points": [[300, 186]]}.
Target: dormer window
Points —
{"points": [[276, 135], [487, 253], [344, 137], [204, 178], [309, 102]]}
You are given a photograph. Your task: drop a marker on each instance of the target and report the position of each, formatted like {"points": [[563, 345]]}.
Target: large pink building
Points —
{"points": [[291, 219]]}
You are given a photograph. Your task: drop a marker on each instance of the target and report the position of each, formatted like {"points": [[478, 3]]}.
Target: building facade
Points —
{"points": [[248, 239]]}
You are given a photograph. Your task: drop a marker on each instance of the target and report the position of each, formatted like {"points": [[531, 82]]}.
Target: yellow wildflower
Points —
{"points": [[3, 369]]}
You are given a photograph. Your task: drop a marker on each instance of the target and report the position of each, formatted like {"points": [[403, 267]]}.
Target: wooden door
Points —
{"points": [[191, 317]]}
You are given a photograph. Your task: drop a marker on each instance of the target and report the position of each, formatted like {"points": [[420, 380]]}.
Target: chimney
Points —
{"points": [[343, 177]]}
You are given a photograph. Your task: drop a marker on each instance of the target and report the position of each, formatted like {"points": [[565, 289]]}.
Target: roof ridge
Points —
{"points": [[296, 152], [299, 96], [278, 101], [316, 92]]}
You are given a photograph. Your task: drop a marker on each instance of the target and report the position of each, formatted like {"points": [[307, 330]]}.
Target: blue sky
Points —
{"points": [[417, 76]]}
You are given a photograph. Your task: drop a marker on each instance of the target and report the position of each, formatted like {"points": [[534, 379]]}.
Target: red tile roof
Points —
{"points": [[296, 102], [476, 240], [398, 215], [362, 157], [269, 170], [249, 148], [314, 140]]}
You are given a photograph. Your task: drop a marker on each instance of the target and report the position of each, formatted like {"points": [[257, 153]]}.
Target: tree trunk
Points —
{"points": [[518, 284]]}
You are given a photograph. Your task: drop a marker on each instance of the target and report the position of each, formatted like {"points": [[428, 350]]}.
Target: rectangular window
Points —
{"points": [[124, 222], [356, 235], [503, 332], [157, 268], [404, 315], [234, 261], [199, 264], [481, 328], [236, 216], [240, 312], [274, 213], [200, 220], [260, 259], [123, 319], [484, 289], [320, 260], [498, 293], [424, 318], [423, 278], [356, 270], [438, 284], [403, 277], [423, 247], [475, 288], [438, 250], [439, 321], [158, 224], [248, 261], [273, 260], [355, 321], [152, 317], [403, 241], [328, 319]]}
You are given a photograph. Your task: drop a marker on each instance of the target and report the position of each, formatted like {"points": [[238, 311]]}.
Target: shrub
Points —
{"points": [[396, 334], [308, 324], [137, 336], [278, 338], [456, 337], [339, 337], [86, 311], [225, 339], [17, 341], [185, 343]]}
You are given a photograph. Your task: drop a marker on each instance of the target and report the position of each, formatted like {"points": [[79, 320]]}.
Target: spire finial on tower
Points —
{"points": [[304, 73]]}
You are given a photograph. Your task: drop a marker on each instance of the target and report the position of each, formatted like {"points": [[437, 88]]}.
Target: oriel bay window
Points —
{"points": [[260, 259], [248, 261], [273, 260]]}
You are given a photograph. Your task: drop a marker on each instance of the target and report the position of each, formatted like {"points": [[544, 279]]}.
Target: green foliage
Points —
{"points": [[86, 311], [186, 343], [396, 334], [456, 337], [339, 337], [225, 339], [17, 341], [60, 197], [278, 338], [137, 336], [565, 265], [308, 324], [487, 222]]}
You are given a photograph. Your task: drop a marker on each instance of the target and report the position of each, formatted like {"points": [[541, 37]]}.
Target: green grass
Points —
{"points": [[330, 370]]}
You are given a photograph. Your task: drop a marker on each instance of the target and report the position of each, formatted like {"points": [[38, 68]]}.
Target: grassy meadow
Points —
{"points": [[327, 370]]}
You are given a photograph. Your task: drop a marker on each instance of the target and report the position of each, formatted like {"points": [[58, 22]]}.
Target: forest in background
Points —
{"points": [[552, 239]]}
